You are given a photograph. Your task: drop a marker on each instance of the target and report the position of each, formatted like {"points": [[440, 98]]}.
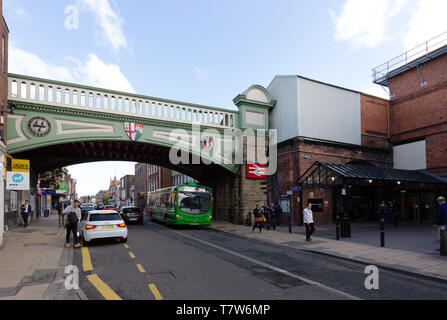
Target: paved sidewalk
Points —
{"points": [[33, 261], [426, 263]]}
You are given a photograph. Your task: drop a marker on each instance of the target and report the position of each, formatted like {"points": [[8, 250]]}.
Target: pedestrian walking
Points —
{"points": [[397, 214], [278, 213], [60, 208], [25, 211], [73, 223], [268, 216], [272, 215], [441, 217], [309, 221], [259, 219], [391, 212], [382, 210]]}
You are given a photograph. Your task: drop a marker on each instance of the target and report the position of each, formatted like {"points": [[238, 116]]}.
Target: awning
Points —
{"points": [[325, 173]]}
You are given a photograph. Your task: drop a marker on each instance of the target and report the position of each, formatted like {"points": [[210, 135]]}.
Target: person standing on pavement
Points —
{"points": [[278, 213], [25, 211], [391, 212], [257, 213], [272, 215], [382, 210], [309, 221], [73, 223], [60, 207], [268, 216], [441, 216]]}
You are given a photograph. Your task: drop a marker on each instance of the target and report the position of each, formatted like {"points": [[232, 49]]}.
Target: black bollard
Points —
{"points": [[337, 227], [443, 236], [382, 232]]}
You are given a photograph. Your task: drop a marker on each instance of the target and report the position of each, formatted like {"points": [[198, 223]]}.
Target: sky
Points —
{"points": [[208, 52]]}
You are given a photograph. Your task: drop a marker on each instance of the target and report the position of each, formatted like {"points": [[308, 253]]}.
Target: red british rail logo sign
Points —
{"points": [[256, 171]]}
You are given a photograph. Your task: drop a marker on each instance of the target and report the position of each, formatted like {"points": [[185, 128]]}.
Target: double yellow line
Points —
{"points": [[101, 286], [95, 280]]}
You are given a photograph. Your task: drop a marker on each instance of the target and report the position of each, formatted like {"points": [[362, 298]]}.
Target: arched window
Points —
{"points": [[32, 91], [120, 104], [50, 94], [59, 95], [113, 103], [83, 98], [23, 91], [106, 102], [67, 96], [90, 100], [98, 101], [14, 89], [74, 97], [127, 105]]}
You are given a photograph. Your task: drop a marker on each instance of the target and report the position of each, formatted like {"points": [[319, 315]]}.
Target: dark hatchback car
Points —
{"points": [[132, 214]]}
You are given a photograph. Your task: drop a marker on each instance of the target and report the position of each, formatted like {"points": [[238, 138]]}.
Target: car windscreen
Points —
{"points": [[105, 217], [131, 210], [87, 208]]}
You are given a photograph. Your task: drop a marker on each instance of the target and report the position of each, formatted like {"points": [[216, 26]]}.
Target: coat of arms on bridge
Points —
{"points": [[134, 130]]}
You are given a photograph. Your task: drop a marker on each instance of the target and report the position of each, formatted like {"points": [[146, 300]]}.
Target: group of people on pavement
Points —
{"points": [[389, 212], [268, 216]]}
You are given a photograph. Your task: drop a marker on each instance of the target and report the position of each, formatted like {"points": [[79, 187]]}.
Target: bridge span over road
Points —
{"points": [[56, 124]]}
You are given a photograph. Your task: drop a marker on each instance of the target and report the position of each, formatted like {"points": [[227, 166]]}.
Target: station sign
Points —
{"points": [[50, 192], [256, 171]]}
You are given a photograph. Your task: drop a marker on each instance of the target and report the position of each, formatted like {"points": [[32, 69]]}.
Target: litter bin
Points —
{"points": [[46, 213], [345, 227]]}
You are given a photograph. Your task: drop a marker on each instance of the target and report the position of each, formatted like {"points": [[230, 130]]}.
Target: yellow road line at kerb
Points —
{"points": [[126, 246], [132, 255], [86, 260], [103, 288], [140, 267], [155, 292]]}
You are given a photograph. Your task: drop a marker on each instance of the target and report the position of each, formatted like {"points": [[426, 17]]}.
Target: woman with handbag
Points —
{"points": [[259, 219]]}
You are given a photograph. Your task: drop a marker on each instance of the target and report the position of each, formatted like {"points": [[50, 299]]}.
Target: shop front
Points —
{"points": [[355, 191]]}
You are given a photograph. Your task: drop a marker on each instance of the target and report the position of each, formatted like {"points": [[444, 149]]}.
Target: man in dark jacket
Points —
{"points": [[26, 211]]}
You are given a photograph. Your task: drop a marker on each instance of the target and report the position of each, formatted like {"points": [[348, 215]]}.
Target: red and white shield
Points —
{"points": [[134, 130]]}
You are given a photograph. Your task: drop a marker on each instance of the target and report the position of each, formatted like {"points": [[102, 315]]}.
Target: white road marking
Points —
{"points": [[317, 284]]}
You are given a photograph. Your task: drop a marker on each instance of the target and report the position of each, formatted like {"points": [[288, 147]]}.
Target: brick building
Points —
{"points": [[348, 150], [126, 194]]}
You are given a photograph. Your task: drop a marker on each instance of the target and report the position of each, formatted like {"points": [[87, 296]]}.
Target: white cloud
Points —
{"points": [[378, 91], [26, 63], [199, 71], [92, 72], [96, 73], [109, 21], [428, 20], [365, 23]]}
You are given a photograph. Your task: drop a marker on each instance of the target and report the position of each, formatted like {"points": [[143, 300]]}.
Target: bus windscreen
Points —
{"points": [[194, 200]]}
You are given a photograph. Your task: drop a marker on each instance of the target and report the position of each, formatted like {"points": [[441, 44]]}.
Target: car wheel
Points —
{"points": [[123, 240]]}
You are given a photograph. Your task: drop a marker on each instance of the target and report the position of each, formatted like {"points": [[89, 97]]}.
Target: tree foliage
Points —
{"points": [[51, 179]]}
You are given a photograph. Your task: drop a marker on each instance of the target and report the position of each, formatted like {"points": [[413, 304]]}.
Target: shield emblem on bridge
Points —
{"points": [[134, 130]]}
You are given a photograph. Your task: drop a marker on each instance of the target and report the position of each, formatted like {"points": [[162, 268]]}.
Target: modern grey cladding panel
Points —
{"points": [[284, 116], [328, 113]]}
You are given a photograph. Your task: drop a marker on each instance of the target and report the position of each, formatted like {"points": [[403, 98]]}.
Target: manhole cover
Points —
{"points": [[25, 231]]}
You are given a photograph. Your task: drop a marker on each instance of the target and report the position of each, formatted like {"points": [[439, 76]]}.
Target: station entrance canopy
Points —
{"points": [[332, 174]]}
